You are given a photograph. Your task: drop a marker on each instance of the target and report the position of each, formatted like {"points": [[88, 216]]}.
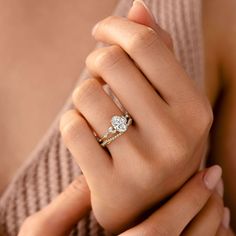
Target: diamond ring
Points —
{"points": [[119, 125]]}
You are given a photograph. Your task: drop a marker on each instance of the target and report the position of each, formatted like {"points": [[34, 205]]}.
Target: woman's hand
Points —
{"points": [[172, 118], [195, 210]]}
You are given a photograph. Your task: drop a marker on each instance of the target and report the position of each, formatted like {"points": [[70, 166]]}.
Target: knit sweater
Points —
{"points": [[50, 168]]}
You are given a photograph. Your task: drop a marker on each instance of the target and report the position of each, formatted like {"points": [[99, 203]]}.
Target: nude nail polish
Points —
{"points": [[212, 177], [226, 218], [141, 2], [220, 188]]}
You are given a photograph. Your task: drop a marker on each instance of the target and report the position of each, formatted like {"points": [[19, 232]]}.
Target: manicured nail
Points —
{"points": [[141, 2], [94, 29], [226, 218], [220, 188], [212, 177]]}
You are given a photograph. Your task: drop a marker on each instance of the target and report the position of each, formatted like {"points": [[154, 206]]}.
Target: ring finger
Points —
{"points": [[98, 108]]}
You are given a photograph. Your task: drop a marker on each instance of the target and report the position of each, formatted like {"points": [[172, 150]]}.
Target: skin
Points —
{"points": [[213, 89], [205, 213], [135, 160]]}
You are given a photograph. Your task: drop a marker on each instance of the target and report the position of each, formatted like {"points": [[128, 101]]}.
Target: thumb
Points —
{"points": [[141, 14], [61, 214]]}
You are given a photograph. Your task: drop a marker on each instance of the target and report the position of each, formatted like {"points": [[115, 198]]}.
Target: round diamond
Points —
{"points": [[119, 123], [111, 130]]}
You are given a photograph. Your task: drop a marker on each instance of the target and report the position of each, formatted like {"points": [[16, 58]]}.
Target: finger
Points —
{"points": [[147, 49], [98, 109], [224, 229], [78, 137], [175, 215], [61, 214], [140, 13], [220, 188], [224, 232], [124, 78], [208, 220]]}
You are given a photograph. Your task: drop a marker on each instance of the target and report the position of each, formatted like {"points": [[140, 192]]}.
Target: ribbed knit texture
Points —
{"points": [[50, 168]]}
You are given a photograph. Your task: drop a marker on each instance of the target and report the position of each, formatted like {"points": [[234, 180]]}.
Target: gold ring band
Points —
{"points": [[119, 125]]}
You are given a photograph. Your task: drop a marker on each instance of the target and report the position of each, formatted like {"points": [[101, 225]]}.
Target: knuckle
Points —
{"points": [[85, 92], [109, 20], [208, 117], [78, 188], [205, 121], [73, 127], [109, 57], [168, 39], [78, 185], [179, 149], [90, 58], [66, 117], [145, 38]]}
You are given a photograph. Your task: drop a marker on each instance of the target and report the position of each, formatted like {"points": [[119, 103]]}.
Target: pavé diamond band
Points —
{"points": [[119, 125]]}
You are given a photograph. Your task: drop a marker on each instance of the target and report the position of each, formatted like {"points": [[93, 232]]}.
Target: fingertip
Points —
{"points": [[220, 188], [212, 177], [140, 13], [226, 218], [142, 4]]}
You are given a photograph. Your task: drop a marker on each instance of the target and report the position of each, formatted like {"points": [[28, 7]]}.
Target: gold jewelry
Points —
{"points": [[119, 125]]}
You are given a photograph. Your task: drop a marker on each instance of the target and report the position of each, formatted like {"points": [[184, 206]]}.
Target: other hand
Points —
{"points": [[195, 210]]}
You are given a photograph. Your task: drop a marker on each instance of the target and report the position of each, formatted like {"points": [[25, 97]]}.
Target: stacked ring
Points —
{"points": [[119, 125]]}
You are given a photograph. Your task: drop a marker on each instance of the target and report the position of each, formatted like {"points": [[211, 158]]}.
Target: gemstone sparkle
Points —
{"points": [[119, 123]]}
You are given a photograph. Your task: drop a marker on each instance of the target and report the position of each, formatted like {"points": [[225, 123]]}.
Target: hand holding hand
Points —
{"points": [[172, 118], [195, 210]]}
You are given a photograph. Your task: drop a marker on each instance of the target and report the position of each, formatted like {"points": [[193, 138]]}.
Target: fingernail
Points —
{"points": [[220, 188], [141, 2], [94, 29], [212, 177], [226, 218]]}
